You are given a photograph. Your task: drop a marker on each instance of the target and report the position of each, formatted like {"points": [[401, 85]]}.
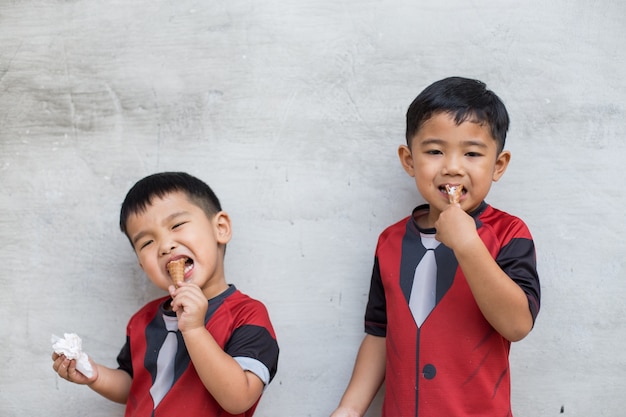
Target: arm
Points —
{"points": [[367, 377], [233, 388], [502, 302], [113, 384]]}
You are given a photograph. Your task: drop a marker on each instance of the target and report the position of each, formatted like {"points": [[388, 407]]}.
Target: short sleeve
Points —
{"points": [[518, 260], [376, 310], [124, 360], [254, 348]]}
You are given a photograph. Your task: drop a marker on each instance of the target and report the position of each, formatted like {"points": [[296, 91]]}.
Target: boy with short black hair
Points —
{"points": [[454, 283], [185, 355]]}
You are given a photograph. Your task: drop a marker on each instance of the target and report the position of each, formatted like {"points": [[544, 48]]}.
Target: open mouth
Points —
{"points": [[453, 192], [447, 189]]}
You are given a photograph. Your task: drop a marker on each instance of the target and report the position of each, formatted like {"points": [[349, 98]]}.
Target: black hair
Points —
{"points": [[463, 98], [159, 185]]}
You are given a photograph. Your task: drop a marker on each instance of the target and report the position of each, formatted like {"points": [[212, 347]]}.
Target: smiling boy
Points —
{"points": [[454, 283], [206, 349]]}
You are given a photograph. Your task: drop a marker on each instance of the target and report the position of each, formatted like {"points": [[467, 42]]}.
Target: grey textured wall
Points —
{"points": [[293, 111]]}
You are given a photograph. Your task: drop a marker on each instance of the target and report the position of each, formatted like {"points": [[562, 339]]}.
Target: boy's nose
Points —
{"points": [[167, 248], [453, 166]]}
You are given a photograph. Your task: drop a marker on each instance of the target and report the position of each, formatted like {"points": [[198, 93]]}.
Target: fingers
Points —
{"points": [[189, 301], [171, 289], [61, 365], [186, 295], [190, 305], [71, 371], [65, 368]]}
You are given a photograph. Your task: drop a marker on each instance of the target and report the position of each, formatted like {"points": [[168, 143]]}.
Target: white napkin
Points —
{"points": [[71, 347]]}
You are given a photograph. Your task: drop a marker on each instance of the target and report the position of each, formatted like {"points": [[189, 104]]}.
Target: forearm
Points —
{"points": [[233, 388], [113, 384], [367, 376], [503, 303]]}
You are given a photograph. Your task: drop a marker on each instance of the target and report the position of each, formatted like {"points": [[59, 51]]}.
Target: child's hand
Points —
{"points": [[190, 305], [67, 370], [455, 227]]}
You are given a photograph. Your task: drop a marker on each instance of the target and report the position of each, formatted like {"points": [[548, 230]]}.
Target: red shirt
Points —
{"points": [[456, 364], [238, 323]]}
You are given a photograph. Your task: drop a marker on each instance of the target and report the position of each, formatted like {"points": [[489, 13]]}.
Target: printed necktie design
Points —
{"points": [[165, 362], [424, 290]]}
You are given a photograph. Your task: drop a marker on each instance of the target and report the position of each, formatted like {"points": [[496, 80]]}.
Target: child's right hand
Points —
{"points": [[66, 369], [455, 228]]}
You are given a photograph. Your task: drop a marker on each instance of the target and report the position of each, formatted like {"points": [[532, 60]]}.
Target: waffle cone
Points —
{"points": [[177, 270], [454, 193]]}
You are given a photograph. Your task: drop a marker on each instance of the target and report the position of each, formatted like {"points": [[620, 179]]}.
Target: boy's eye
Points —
{"points": [[433, 152], [473, 154], [178, 225], [145, 244]]}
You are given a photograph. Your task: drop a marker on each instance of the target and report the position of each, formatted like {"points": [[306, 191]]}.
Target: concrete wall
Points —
{"points": [[293, 111]]}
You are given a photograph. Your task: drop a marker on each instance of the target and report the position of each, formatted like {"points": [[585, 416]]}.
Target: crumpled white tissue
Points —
{"points": [[71, 347]]}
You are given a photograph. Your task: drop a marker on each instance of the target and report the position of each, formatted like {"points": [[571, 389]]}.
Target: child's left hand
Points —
{"points": [[66, 369], [455, 227], [190, 305]]}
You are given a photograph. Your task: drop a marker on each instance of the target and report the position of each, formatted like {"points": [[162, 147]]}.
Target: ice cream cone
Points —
{"points": [[454, 193], [177, 270]]}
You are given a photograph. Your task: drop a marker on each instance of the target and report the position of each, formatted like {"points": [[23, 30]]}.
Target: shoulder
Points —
{"points": [[246, 309], [242, 300], [397, 228], [502, 224]]}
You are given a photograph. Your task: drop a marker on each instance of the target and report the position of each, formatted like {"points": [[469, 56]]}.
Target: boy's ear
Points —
{"points": [[406, 159], [223, 228], [501, 163]]}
